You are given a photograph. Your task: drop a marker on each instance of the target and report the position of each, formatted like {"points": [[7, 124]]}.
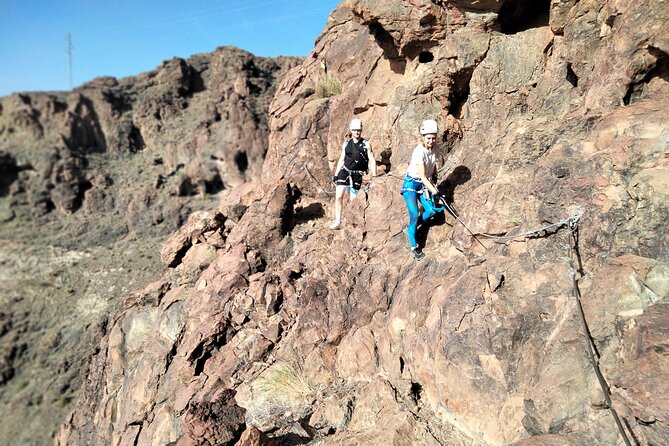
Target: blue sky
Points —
{"points": [[123, 37]]}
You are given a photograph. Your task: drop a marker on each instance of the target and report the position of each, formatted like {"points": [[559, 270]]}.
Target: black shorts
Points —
{"points": [[343, 179]]}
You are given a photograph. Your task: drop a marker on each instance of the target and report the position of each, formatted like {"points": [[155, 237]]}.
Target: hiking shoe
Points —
{"points": [[417, 253], [335, 224]]}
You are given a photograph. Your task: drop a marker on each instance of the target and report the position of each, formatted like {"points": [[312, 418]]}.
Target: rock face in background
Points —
{"points": [[337, 338], [91, 183], [132, 147]]}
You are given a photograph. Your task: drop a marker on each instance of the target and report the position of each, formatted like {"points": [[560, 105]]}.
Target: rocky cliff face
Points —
{"points": [[91, 183], [270, 325], [124, 147]]}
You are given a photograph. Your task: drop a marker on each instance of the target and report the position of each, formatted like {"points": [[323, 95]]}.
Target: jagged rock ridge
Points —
{"points": [[190, 127], [339, 337]]}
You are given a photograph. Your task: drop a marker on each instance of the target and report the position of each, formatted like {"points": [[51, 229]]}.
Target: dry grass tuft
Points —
{"points": [[284, 383], [327, 85]]}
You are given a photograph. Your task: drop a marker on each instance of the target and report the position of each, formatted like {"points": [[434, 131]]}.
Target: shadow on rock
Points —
{"points": [[421, 233], [314, 211], [291, 439], [459, 176], [9, 172]]}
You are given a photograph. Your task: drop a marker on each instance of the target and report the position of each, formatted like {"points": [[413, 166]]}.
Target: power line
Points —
{"points": [[69, 57]]}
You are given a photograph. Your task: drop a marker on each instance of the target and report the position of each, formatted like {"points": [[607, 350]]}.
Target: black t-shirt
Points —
{"points": [[355, 157]]}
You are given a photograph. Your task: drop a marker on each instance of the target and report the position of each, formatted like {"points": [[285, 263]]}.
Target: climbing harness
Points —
{"points": [[350, 172], [355, 166], [412, 184], [349, 178], [322, 189], [356, 155], [429, 203]]}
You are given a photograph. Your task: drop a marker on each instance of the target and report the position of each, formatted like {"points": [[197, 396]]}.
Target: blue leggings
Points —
{"points": [[411, 200]]}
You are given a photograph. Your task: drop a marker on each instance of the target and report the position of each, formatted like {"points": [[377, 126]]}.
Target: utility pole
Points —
{"points": [[69, 57]]}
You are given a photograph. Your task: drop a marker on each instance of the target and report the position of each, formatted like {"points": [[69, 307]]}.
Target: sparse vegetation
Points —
{"points": [[281, 396], [284, 383], [327, 85]]}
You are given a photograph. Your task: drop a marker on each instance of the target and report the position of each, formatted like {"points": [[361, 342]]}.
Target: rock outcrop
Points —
{"points": [[91, 183], [554, 130], [136, 147]]}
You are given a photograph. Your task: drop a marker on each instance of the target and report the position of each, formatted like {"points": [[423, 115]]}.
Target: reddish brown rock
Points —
{"points": [[266, 222], [640, 385], [482, 342], [220, 423], [213, 106], [254, 437], [91, 183], [201, 227]]}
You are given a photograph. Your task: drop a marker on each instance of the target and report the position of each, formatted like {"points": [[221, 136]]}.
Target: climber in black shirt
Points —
{"points": [[356, 159]]}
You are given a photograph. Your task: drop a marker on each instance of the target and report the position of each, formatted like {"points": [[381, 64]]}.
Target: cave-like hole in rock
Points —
{"points": [[459, 93], [187, 187], [214, 184], [389, 47], [520, 15], [242, 161], [425, 57], [416, 390], [9, 172], [571, 76], [136, 140], [428, 20], [81, 193]]}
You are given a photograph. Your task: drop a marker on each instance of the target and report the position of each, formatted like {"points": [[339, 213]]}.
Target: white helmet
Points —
{"points": [[356, 124], [429, 126]]}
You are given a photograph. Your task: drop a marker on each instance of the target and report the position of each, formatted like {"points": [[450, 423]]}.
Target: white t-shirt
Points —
{"points": [[423, 156]]}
